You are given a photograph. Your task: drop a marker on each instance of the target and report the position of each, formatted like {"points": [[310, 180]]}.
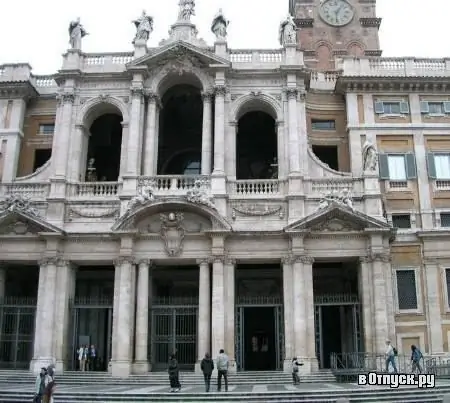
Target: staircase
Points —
{"points": [[261, 387]]}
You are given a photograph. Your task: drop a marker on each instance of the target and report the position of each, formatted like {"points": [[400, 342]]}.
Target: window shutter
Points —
{"points": [[411, 169], [404, 108], [379, 108], [447, 107], [431, 166], [383, 166], [424, 107]]}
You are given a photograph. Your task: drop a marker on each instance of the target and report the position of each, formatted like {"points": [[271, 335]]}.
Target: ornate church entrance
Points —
{"points": [[337, 310], [259, 335]]}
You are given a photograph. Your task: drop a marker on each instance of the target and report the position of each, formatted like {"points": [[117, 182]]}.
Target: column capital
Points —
{"points": [[203, 261], [218, 259], [288, 259], [207, 95], [365, 259], [146, 262], [291, 93], [220, 90], [121, 260], [230, 261], [305, 259], [379, 257], [66, 98], [53, 260], [136, 92]]}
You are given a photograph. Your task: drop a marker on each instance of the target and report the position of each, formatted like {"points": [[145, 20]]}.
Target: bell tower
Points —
{"points": [[333, 28]]}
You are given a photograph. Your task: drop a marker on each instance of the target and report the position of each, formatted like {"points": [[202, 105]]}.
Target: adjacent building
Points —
{"points": [[192, 197]]}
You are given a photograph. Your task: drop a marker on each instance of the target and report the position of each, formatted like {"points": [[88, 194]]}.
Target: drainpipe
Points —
{"points": [[425, 294]]}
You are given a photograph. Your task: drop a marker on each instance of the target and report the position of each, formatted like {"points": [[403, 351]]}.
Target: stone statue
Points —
{"points": [[144, 27], [370, 156], [20, 202], [145, 195], [199, 195], [219, 26], [186, 10], [344, 198], [91, 174], [287, 32], [76, 33]]}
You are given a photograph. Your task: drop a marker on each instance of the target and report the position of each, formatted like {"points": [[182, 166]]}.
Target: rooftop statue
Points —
{"points": [[287, 32], [144, 27], [186, 10], [219, 26], [76, 33]]}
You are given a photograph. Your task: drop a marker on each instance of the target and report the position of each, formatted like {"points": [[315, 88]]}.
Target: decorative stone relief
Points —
{"points": [[257, 210], [335, 226], [17, 228], [342, 198], [199, 194], [145, 196], [20, 202], [92, 211], [370, 156], [172, 233]]}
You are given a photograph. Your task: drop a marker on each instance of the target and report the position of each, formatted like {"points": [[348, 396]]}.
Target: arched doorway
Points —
{"points": [[104, 149], [256, 146], [180, 131]]}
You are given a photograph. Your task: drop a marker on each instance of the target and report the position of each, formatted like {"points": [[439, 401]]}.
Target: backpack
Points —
{"points": [[395, 351], [48, 391]]}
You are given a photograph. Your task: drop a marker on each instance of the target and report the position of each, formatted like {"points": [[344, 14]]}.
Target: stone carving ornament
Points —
{"points": [[287, 32], [219, 26], [186, 10], [145, 195], [343, 198], [199, 195], [172, 233], [144, 27], [76, 34], [255, 210], [19, 202], [370, 156]]}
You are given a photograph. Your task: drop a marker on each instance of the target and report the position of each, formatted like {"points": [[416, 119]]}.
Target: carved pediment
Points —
{"points": [[179, 52], [14, 222], [192, 223], [338, 218]]}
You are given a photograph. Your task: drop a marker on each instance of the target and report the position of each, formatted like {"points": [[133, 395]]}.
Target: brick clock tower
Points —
{"points": [[330, 28]]}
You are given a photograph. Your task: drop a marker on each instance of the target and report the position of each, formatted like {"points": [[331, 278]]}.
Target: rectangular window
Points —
{"points": [[445, 219], [442, 166], [397, 167], [407, 290], [41, 156], [401, 221], [318, 124], [447, 283], [435, 107], [46, 129], [391, 107]]}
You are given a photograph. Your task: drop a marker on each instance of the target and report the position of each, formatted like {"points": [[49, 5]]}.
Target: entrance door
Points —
{"points": [[174, 329], [260, 341], [331, 333]]}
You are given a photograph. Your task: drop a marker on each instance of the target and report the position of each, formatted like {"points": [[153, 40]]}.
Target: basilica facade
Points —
{"points": [[193, 197]]}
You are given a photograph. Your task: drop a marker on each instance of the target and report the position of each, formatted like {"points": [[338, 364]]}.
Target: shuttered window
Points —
{"points": [[434, 107], [438, 166], [391, 108], [397, 167], [406, 290]]}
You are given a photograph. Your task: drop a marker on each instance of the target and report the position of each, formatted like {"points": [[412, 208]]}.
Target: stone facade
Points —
{"points": [[388, 218]]}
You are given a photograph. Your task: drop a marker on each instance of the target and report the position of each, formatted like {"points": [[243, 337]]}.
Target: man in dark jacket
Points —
{"points": [[207, 366], [174, 374]]}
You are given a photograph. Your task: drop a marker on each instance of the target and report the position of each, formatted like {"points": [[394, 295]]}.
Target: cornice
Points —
{"points": [[373, 22], [387, 84], [17, 89]]}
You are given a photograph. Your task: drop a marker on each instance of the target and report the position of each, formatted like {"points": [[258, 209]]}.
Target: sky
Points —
{"points": [[36, 31]]}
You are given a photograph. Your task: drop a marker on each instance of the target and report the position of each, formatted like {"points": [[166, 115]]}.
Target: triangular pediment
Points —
{"points": [[14, 221], [338, 218], [178, 51]]}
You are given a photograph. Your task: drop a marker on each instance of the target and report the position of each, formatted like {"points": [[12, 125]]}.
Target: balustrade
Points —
{"points": [[32, 190], [96, 189], [173, 184], [256, 187], [334, 185]]}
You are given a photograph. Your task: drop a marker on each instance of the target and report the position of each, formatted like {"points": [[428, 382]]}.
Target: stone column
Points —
{"points": [[312, 363], [133, 162], [229, 282], [354, 136], [123, 319], [204, 312], [150, 136], [207, 133], [302, 133], [288, 307], [218, 306], [230, 150], [123, 149], [281, 160], [294, 161], [369, 113], [45, 315], [62, 136], [219, 130], [141, 365], [381, 301], [77, 166], [433, 301], [366, 296]]}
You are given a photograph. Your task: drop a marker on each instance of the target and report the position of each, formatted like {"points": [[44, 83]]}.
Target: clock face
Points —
{"points": [[336, 12]]}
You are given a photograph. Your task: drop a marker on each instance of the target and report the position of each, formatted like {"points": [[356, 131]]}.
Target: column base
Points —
{"points": [[141, 367], [60, 366], [42, 362], [120, 369]]}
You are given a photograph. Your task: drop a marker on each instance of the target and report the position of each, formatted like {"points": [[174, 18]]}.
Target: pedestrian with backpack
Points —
{"points": [[40, 386], [50, 385], [416, 356], [391, 352]]}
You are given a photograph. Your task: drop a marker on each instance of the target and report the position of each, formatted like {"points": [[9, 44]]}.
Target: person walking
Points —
{"points": [[416, 356], [174, 374], [40, 386], [295, 371], [207, 367], [222, 370], [49, 381], [390, 356]]}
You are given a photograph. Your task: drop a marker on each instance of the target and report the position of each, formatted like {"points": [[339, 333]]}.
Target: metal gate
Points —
{"points": [[174, 329], [254, 302], [91, 323], [347, 300], [17, 324]]}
